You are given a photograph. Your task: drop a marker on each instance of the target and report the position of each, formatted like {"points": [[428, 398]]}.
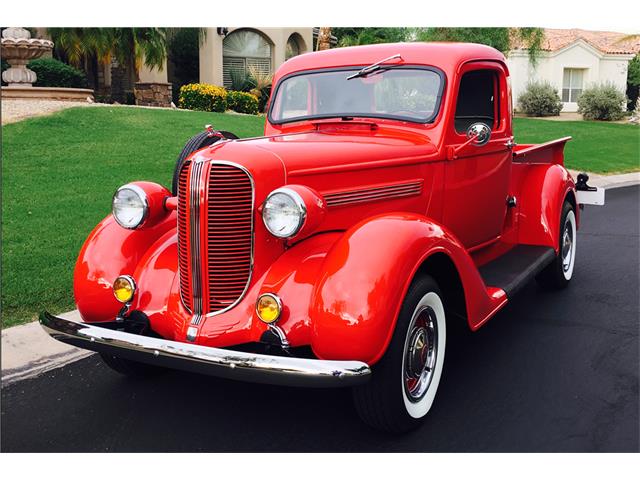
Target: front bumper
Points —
{"points": [[218, 362]]}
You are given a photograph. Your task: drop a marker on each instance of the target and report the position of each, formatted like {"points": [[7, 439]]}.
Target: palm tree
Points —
{"points": [[126, 48], [324, 38]]}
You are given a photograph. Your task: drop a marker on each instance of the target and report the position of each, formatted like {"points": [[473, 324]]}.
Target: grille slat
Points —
{"points": [[223, 264], [229, 234]]}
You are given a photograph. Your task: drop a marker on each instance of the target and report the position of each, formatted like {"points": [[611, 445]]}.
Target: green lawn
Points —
{"points": [[59, 173], [598, 147]]}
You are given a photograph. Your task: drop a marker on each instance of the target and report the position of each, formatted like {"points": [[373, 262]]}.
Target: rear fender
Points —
{"points": [[365, 277], [544, 189], [108, 252]]}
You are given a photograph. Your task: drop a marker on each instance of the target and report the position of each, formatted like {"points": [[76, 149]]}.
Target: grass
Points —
{"points": [[597, 147], [59, 173]]}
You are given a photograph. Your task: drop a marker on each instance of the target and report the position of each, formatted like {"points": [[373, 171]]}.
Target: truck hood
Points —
{"points": [[326, 150]]}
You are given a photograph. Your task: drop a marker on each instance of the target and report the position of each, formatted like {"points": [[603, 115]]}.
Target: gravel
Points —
{"points": [[14, 110]]}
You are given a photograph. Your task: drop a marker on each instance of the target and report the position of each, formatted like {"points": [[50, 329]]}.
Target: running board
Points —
{"points": [[513, 270]]}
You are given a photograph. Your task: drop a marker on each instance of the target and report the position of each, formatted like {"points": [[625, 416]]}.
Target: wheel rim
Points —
{"points": [[567, 245], [420, 355]]}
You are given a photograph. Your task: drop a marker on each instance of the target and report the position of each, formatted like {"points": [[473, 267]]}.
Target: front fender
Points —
{"points": [[109, 251], [365, 276]]}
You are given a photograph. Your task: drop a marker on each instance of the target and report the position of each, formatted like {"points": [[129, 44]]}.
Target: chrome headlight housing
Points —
{"points": [[130, 206], [284, 212]]}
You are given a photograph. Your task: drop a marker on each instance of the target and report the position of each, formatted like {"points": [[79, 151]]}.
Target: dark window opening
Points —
{"points": [[476, 100]]}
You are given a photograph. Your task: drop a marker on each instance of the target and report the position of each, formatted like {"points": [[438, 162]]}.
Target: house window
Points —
{"points": [[572, 84], [244, 51]]}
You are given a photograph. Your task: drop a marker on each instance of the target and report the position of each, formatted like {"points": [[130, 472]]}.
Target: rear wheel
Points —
{"points": [[557, 274], [404, 383], [196, 142]]}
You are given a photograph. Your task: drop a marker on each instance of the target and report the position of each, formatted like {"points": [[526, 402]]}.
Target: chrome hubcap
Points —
{"points": [[420, 353], [567, 246]]}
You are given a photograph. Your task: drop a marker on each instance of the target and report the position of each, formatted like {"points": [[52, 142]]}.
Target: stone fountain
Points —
{"points": [[18, 48]]}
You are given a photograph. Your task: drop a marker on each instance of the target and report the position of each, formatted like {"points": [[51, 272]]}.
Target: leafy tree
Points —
{"points": [[500, 38], [131, 47], [633, 82], [369, 35]]}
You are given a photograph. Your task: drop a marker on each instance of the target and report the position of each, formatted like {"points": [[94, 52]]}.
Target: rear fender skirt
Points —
{"points": [[366, 274], [109, 251]]}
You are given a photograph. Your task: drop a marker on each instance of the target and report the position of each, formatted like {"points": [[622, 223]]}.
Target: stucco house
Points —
{"points": [[225, 49], [571, 60]]}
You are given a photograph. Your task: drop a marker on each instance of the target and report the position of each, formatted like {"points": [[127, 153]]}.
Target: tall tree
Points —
{"points": [[324, 38], [130, 47], [369, 35], [500, 38]]}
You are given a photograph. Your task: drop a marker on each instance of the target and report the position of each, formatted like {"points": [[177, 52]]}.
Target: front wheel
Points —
{"points": [[404, 383]]}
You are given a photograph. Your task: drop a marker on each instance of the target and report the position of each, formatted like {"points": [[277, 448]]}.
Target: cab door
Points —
{"points": [[477, 178]]}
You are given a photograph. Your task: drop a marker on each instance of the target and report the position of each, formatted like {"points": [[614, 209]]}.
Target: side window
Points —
{"points": [[477, 100]]}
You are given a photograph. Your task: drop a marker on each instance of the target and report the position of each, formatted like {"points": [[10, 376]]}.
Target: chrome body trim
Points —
{"points": [[219, 362], [195, 225], [370, 194]]}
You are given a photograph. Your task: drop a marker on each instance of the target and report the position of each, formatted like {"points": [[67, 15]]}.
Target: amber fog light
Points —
{"points": [[268, 307], [123, 288]]}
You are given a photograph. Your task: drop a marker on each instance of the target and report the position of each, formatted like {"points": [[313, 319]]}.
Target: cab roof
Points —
{"points": [[444, 55]]}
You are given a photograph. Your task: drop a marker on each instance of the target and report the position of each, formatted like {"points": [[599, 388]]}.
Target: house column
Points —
{"points": [[211, 58]]}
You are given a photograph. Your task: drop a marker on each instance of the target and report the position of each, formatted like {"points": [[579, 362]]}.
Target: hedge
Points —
{"points": [[540, 99], [242, 102], [203, 97], [602, 102], [54, 73]]}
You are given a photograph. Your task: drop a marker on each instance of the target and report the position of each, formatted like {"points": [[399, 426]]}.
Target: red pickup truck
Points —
{"points": [[386, 204]]}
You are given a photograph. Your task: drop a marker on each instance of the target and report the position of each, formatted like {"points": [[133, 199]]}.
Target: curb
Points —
{"points": [[27, 351]]}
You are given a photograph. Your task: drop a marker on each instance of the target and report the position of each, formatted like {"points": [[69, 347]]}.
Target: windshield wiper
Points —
{"points": [[374, 67]]}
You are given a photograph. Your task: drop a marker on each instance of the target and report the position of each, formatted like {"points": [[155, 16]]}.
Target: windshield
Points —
{"points": [[403, 93]]}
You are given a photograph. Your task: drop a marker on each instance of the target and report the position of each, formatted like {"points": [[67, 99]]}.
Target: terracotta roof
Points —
{"points": [[606, 42]]}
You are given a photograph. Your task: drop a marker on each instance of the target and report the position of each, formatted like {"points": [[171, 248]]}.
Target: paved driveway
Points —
{"points": [[552, 372]]}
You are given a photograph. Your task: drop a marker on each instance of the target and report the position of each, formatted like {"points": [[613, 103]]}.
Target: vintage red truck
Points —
{"points": [[386, 203]]}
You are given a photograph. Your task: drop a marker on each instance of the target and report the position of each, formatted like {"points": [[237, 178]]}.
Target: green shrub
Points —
{"points": [[54, 73], [204, 97], [242, 102], [602, 102], [540, 99]]}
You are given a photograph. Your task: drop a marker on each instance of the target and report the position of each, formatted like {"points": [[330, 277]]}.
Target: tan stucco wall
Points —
{"points": [[211, 50], [157, 75], [599, 68]]}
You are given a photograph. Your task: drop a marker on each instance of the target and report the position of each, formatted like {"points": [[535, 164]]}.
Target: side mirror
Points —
{"points": [[480, 133]]}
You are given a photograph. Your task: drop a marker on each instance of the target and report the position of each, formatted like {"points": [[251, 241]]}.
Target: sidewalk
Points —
{"points": [[28, 351]]}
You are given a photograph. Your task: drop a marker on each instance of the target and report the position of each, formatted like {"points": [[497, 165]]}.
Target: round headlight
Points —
{"points": [[284, 213], [130, 206]]}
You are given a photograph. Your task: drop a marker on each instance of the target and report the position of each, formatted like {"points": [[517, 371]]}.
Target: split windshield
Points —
{"points": [[402, 93]]}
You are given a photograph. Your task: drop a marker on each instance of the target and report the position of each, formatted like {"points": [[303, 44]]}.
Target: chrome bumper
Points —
{"points": [[218, 362]]}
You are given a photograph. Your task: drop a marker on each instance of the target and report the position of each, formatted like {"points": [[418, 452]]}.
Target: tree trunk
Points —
{"points": [[324, 38]]}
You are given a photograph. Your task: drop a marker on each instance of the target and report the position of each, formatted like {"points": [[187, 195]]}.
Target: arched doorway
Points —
{"points": [[295, 46], [243, 50]]}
